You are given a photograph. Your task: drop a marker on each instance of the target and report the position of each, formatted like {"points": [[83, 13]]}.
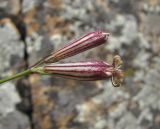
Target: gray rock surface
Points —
{"points": [[66, 104], [12, 49], [11, 59], [9, 98], [10, 118], [134, 36], [9, 7], [14, 120]]}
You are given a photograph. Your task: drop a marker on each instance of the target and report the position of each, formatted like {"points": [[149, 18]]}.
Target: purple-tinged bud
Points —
{"points": [[82, 44], [87, 71], [77, 46]]}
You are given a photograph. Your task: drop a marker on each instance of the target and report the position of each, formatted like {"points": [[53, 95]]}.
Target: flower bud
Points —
{"points": [[84, 70], [87, 70], [77, 46]]}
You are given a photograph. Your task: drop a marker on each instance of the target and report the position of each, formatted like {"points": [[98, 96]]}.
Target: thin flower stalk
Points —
{"points": [[77, 46]]}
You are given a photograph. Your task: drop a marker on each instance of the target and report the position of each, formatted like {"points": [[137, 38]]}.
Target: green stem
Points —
{"points": [[23, 73]]}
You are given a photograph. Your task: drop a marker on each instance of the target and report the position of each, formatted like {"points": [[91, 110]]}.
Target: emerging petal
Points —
{"points": [[118, 74]]}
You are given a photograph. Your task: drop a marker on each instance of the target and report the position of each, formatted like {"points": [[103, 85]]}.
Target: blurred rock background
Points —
{"points": [[30, 29]]}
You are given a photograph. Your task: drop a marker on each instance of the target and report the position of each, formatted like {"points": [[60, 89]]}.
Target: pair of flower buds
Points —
{"points": [[83, 70]]}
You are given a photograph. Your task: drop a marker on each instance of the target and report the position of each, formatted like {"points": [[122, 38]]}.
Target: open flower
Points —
{"points": [[88, 70], [77, 46]]}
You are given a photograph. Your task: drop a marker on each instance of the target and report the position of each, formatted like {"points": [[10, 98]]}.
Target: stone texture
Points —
{"points": [[9, 7], [134, 36], [68, 104], [12, 49], [10, 118], [11, 60], [15, 120], [9, 98]]}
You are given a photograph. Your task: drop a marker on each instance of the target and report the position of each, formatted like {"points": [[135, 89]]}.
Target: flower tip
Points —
{"points": [[106, 34], [117, 61], [117, 78], [118, 75], [102, 33]]}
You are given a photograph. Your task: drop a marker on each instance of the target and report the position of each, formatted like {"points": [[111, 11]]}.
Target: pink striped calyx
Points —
{"points": [[77, 46], [88, 70]]}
